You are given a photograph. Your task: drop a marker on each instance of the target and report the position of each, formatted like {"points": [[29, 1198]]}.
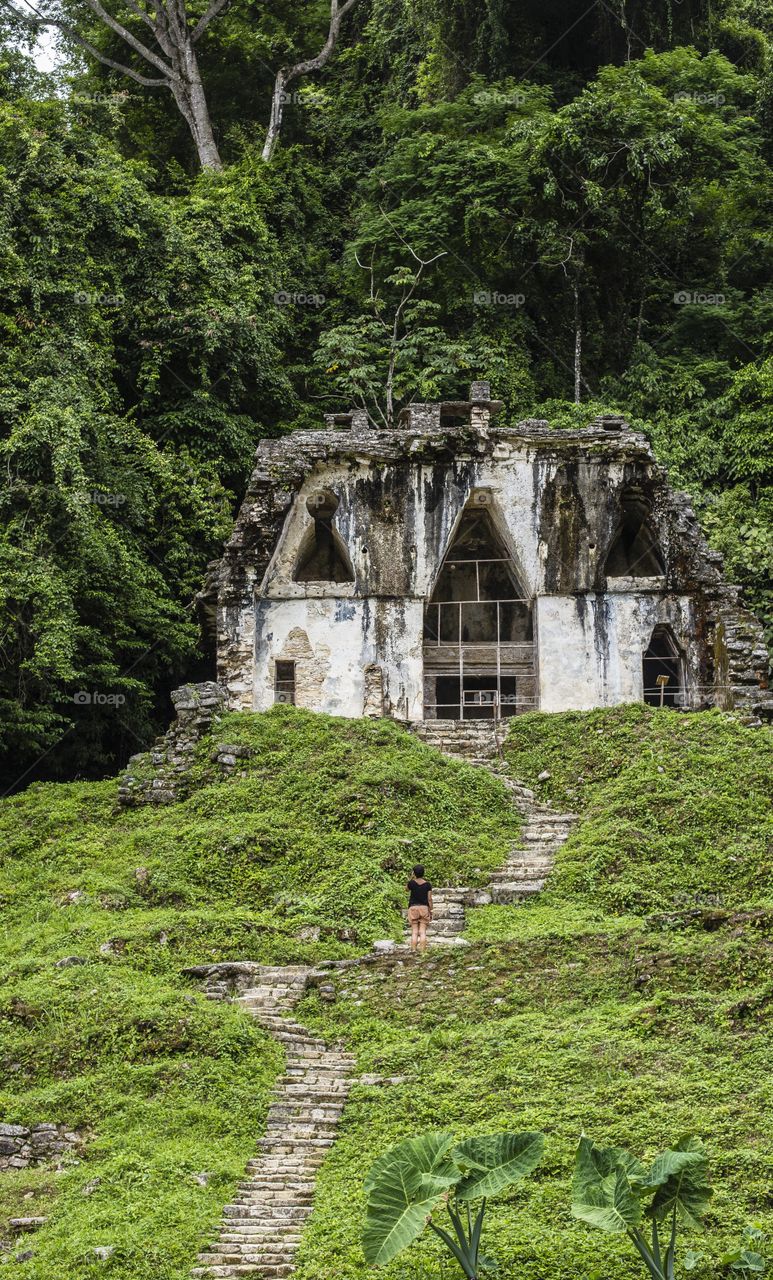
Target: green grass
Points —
{"points": [[632, 1000], [320, 834]]}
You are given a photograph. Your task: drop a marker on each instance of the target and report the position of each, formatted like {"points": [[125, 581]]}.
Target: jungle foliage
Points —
{"points": [[561, 169]]}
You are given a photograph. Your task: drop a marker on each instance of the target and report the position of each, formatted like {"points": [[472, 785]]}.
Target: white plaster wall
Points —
{"points": [[589, 648], [331, 642], [515, 478]]}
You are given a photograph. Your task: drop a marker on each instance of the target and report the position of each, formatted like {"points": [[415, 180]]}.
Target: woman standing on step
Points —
{"points": [[419, 908]]}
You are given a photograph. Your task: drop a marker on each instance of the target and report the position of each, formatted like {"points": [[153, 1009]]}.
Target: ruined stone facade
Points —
{"points": [[452, 568]]}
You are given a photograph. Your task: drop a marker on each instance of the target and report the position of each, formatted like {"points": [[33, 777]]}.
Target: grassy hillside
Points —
{"points": [[318, 836], [632, 1000]]}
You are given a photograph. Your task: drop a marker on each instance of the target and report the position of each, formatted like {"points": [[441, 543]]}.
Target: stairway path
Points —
{"points": [[260, 1230], [531, 858]]}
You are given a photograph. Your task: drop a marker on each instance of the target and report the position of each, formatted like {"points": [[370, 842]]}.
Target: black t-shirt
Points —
{"points": [[419, 893]]}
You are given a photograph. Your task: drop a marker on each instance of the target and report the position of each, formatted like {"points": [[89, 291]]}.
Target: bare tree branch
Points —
{"points": [[214, 9], [37, 19], [179, 71], [126, 35], [142, 14], [286, 75], [423, 262]]}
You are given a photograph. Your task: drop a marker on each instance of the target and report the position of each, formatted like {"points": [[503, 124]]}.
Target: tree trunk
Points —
{"points": [[277, 111], [192, 103]]}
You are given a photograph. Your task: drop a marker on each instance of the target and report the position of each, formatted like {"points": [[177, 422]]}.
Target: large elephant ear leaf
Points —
{"points": [[495, 1161], [403, 1187], [682, 1182], [603, 1192]]}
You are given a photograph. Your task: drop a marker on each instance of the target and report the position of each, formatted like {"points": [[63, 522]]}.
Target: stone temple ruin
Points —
{"points": [[454, 569]]}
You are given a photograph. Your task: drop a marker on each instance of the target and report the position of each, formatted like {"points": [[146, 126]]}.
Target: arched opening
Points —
{"points": [[663, 670], [478, 634], [323, 556], [635, 551]]}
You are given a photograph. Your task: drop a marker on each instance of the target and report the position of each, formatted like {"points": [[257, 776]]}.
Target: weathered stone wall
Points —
{"points": [[556, 497], [21, 1148], [160, 776]]}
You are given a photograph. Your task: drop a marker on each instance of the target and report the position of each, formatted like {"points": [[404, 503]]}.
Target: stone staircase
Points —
{"points": [[476, 741], [261, 1228], [523, 875], [529, 861]]}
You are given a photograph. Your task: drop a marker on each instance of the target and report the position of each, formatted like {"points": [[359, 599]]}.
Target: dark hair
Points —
{"points": [[418, 870]]}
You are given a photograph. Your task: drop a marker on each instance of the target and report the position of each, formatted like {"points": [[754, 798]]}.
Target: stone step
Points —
{"points": [[242, 1269], [255, 1229], [284, 1109], [277, 1253], [265, 1211], [521, 873], [292, 1147]]}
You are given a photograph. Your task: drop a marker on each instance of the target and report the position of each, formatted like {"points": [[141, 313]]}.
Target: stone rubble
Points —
{"points": [[160, 776], [22, 1148]]}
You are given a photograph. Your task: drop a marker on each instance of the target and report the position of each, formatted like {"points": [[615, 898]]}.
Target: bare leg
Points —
{"points": [[422, 935], [414, 934]]}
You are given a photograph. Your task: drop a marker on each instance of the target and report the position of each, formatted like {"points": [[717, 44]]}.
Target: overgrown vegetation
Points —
{"points": [[566, 1016], [170, 1090], [632, 1002], [569, 172]]}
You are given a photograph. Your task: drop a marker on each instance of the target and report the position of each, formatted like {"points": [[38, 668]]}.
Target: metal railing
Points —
{"points": [[478, 622], [489, 706]]}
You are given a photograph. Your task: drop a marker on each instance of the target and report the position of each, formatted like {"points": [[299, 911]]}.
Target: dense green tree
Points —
{"points": [[589, 190], [140, 353]]}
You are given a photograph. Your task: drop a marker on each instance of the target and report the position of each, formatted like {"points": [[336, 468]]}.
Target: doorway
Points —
{"points": [[482, 697], [663, 670]]}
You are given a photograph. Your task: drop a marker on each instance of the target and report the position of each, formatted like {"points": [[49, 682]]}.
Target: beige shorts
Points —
{"points": [[415, 914]]}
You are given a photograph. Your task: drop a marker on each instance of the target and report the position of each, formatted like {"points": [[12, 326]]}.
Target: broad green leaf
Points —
{"points": [[748, 1260], [404, 1186], [602, 1193], [684, 1184], [495, 1161]]}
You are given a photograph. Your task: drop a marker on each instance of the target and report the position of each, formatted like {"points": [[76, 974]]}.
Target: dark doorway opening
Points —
{"points": [[480, 698], [662, 671], [635, 552]]}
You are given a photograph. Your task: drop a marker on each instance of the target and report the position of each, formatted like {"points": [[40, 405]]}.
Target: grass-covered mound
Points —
{"points": [[634, 1000], [676, 809], [318, 836]]}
